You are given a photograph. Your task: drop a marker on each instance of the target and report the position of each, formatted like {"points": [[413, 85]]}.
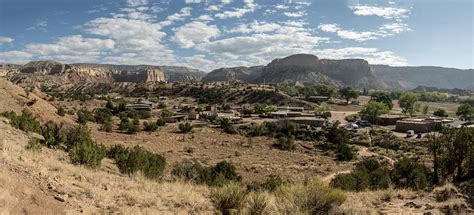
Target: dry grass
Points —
{"points": [[104, 190]]}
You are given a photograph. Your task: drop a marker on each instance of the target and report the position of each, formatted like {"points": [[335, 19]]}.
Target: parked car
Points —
{"points": [[419, 135], [363, 123], [410, 133]]}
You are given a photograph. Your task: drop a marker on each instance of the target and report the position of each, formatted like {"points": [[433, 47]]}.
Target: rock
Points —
{"points": [[59, 198]]}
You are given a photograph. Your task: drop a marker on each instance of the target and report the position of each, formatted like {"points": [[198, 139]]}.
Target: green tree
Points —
{"points": [[440, 113], [134, 127], [382, 97], [348, 93], [373, 109], [425, 110], [465, 112], [407, 102]]}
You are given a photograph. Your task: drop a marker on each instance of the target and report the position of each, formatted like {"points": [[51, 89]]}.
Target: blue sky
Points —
{"points": [[208, 34]]}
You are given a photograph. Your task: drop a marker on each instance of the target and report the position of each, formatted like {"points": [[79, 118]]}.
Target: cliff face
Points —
{"points": [[100, 73], [147, 75], [352, 72]]}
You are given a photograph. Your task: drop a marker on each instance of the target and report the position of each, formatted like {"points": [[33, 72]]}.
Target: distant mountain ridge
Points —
{"points": [[303, 69], [299, 69]]}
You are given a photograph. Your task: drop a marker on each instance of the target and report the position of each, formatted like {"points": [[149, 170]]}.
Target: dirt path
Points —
{"points": [[329, 177]]}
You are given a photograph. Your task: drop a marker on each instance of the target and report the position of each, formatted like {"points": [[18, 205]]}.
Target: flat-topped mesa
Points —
{"points": [[146, 75], [44, 67]]}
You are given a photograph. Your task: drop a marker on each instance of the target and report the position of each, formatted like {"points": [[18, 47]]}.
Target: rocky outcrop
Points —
{"points": [[235, 74], [147, 75]]}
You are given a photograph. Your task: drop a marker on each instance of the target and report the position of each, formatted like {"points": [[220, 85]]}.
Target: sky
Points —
{"points": [[210, 34]]}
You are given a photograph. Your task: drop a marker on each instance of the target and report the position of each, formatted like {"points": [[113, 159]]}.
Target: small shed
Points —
{"points": [[389, 119], [317, 99]]}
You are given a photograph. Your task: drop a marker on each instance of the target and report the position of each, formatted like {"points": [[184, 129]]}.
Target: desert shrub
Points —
{"points": [[345, 152], [185, 127], [54, 134], [140, 114], [257, 130], [150, 126], [87, 153], [409, 174], [166, 113], [102, 115], [220, 174], [77, 135], [84, 116], [257, 203], [61, 111], [124, 123], [107, 126], [352, 117], [337, 135], [137, 159], [228, 199], [160, 121], [33, 145], [31, 102], [190, 171], [355, 181], [25, 122], [272, 183], [134, 126], [286, 143], [314, 197], [227, 127], [367, 174]]}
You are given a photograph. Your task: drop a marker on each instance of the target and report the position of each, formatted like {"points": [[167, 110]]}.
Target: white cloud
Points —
{"points": [[384, 31], [5, 40], [17, 57], [40, 25], [238, 12], [255, 27], [385, 12], [136, 3], [72, 49], [372, 55], [282, 7], [194, 33], [183, 13], [295, 14]]}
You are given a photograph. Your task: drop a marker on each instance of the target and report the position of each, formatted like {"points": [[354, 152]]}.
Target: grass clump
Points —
{"points": [[229, 198], [314, 197], [34, 145]]}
